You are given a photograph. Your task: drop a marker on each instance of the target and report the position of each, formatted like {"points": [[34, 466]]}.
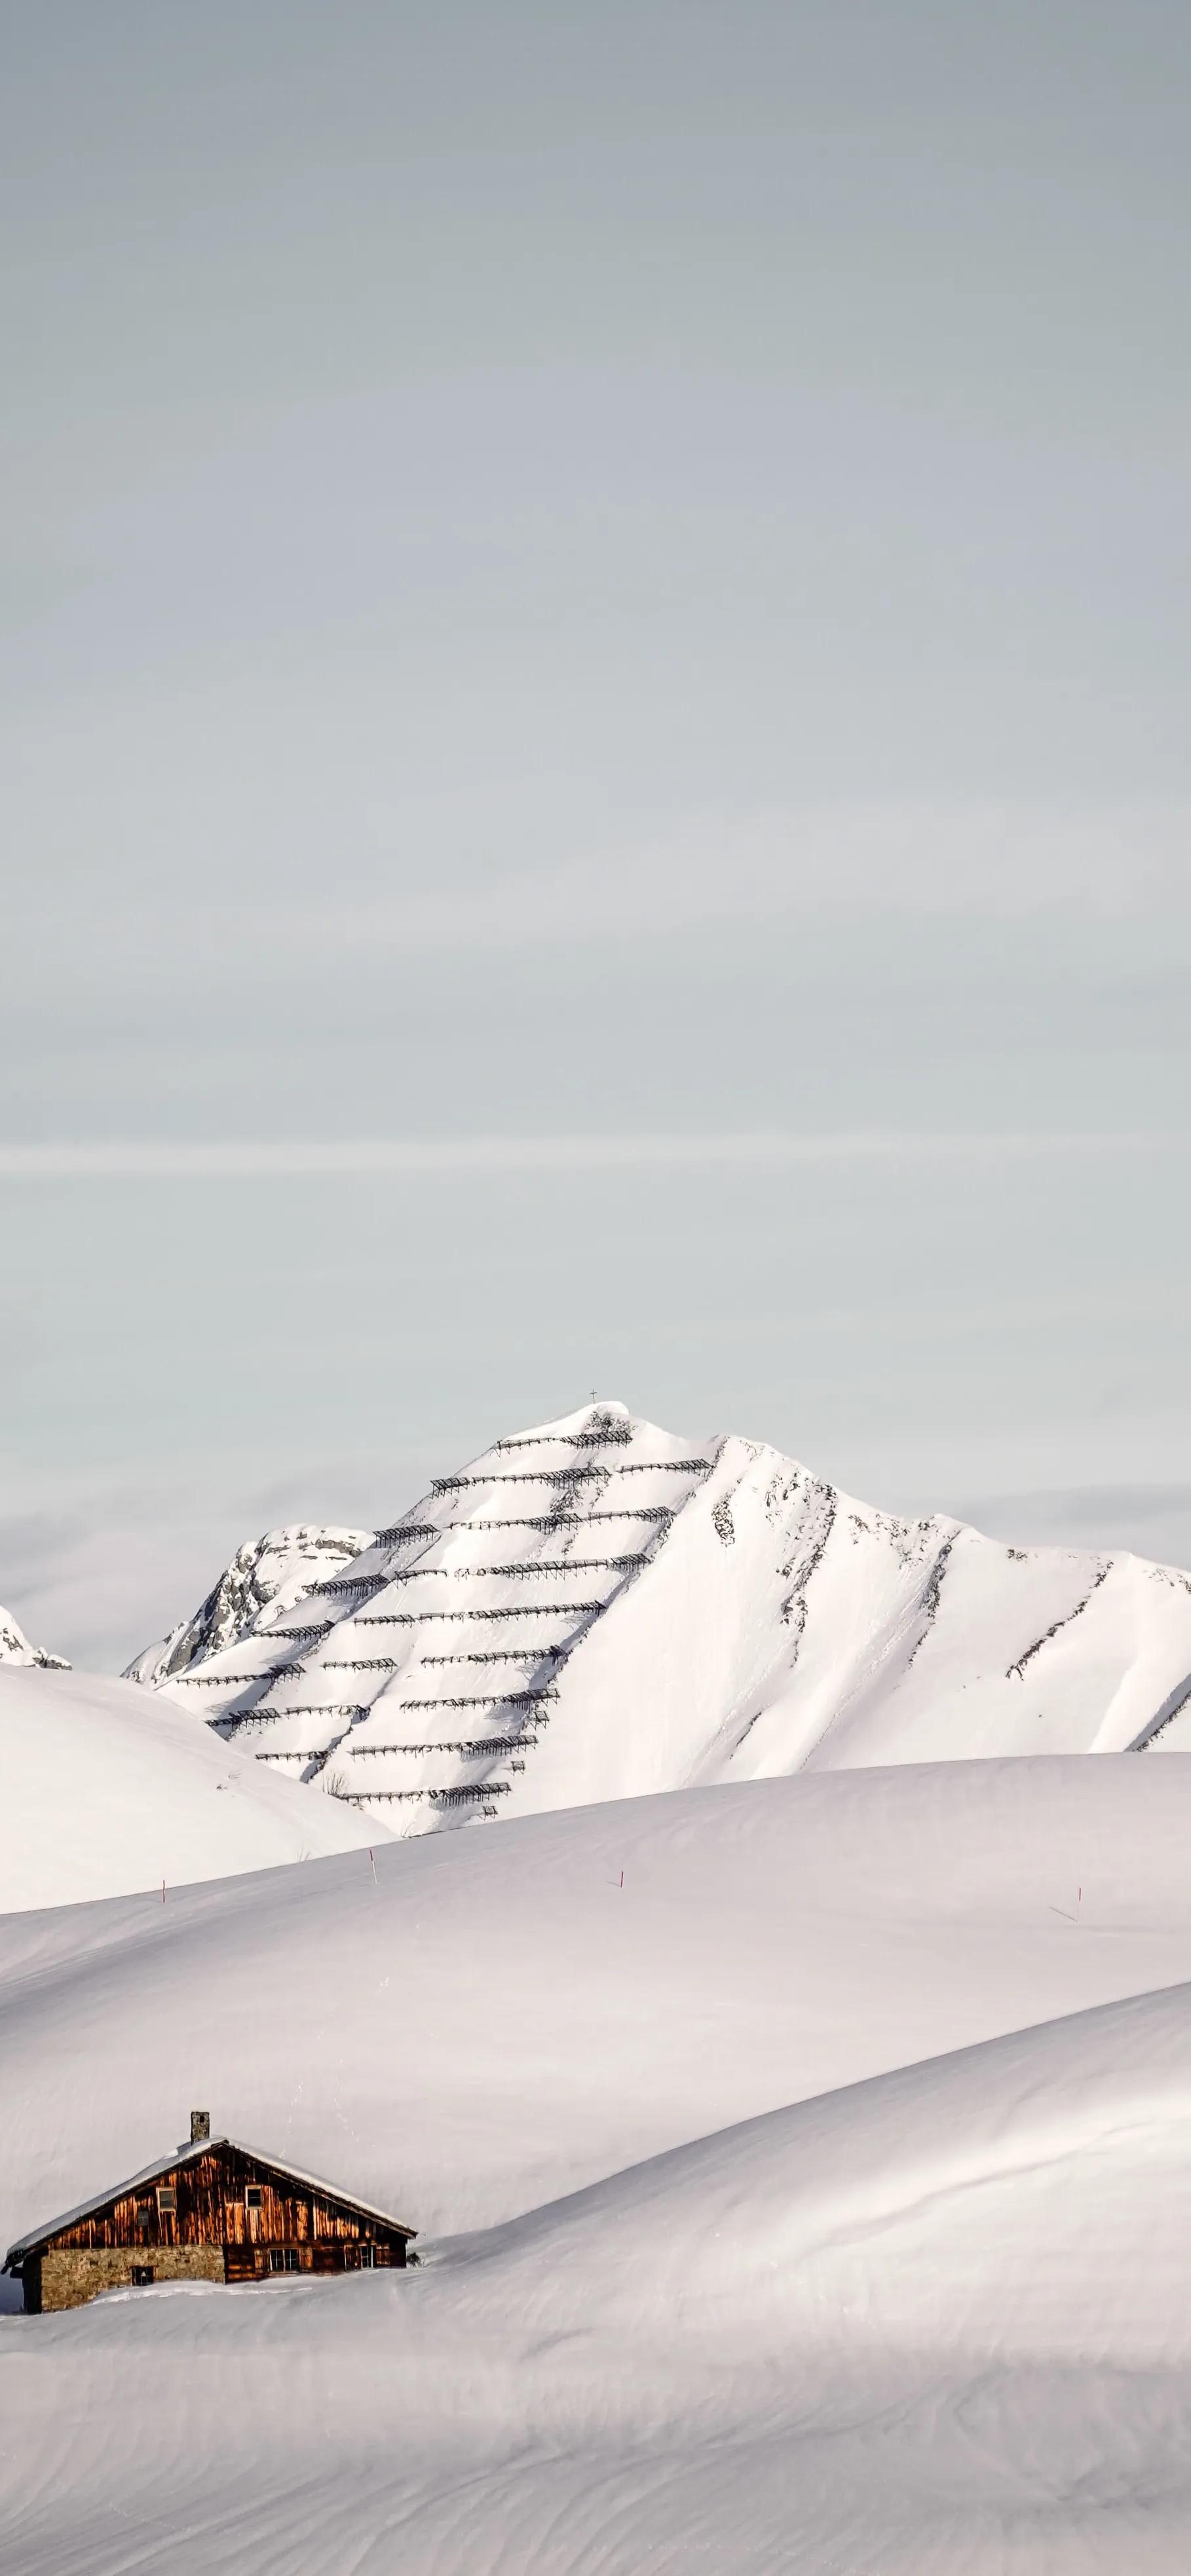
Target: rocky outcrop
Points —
{"points": [[266, 1575], [16, 1649]]}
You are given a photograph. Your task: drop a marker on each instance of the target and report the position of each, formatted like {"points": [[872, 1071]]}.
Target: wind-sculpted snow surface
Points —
{"points": [[16, 1649], [876, 2089], [597, 1608]]}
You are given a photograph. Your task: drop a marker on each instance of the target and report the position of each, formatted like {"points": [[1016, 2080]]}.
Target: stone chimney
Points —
{"points": [[200, 2127]]}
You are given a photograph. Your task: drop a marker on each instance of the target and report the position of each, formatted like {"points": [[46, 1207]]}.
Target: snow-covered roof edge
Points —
{"points": [[182, 2156]]}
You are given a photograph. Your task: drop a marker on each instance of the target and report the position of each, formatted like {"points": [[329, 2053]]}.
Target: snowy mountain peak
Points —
{"points": [[595, 1607], [266, 1577], [16, 1649]]}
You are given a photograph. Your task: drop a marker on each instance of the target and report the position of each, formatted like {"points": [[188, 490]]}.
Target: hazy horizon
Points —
{"points": [[580, 588]]}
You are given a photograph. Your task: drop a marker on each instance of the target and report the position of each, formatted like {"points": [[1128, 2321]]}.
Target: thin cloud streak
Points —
{"points": [[449, 1156]]}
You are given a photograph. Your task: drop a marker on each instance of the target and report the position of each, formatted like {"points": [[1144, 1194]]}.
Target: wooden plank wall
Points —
{"points": [[210, 2210]]}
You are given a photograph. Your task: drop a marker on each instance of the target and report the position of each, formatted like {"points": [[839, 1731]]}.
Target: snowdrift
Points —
{"points": [[488, 2022], [596, 1609], [103, 1791], [910, 2309]]}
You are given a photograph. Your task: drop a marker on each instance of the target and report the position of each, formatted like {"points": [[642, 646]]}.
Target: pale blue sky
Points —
{"points": [[585, 573]]}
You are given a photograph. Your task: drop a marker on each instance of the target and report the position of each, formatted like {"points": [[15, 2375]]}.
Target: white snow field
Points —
{"points": [[597, 1608], [872, 2093], [103, 1791]]}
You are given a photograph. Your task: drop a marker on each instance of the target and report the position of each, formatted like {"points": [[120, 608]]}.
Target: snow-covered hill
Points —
{"points": [[103, 1790], [476, 2024], [16, 1649], [869, 2092], [597, 1608]]}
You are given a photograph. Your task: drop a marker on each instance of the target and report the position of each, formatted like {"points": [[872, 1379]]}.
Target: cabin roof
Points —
{"points": [[40, 2236]]}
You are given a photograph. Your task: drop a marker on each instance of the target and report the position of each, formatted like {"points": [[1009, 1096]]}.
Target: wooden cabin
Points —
{"points": [[212, 2211]]}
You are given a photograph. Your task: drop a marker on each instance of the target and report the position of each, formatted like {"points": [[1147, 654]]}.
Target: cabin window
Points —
{"points": [[142, 2276], [284, 2258], [167, 2198], [254, 2197]]}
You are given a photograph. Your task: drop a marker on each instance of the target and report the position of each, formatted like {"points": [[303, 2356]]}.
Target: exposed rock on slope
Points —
{"points": [[595, 1608], [266, 1574], [16, 1649]]}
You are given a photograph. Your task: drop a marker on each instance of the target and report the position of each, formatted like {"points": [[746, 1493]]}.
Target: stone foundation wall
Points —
{"points": [[70, 2276]]}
